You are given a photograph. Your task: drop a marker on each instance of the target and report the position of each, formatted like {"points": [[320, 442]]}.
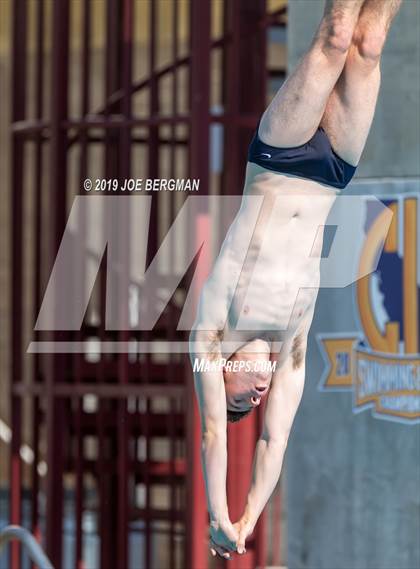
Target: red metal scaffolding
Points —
{"points": [[125, 421]]}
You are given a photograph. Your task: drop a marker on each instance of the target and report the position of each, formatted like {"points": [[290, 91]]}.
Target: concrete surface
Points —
{"points": [[353, 480]]}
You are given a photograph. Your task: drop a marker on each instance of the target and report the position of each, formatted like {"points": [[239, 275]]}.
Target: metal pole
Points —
{"points": [[18, 113], [36, 370], [19, 534], [244, 64], [196, 530], [55, 369]]}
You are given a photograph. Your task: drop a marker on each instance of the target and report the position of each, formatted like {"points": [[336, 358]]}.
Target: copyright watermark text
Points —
{"points": [[141, 185]]}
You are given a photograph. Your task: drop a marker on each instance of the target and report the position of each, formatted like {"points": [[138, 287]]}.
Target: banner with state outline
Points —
{"points": [[380, 362]]}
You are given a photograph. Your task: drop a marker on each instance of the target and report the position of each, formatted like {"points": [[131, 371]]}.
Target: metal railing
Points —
{"points": [[33, 548]]}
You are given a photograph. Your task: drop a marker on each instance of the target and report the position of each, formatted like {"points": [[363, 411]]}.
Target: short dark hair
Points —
{"points": [[234, 416]]}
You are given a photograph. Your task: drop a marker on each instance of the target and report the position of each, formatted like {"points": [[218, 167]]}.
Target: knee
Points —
{"points": [[337, 38], [369, 45]]}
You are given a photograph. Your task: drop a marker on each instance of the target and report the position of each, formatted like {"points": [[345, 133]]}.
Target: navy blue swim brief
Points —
{"points": [[315, 160]]}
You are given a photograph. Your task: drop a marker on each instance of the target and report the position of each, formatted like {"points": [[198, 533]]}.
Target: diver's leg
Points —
{"points": [[295, 112], [351, 106]]}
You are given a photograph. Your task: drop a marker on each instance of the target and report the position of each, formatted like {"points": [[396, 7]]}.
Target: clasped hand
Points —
{"points": [[226, 537]]}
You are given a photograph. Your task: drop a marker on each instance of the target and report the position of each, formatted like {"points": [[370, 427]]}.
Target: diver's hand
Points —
{"points": [[245, 527], [223, 538]]}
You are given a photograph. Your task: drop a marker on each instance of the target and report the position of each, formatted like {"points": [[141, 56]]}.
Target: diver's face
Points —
{"points": [[245, 389]]}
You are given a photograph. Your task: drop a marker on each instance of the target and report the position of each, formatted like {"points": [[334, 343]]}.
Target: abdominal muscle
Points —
{"points": [[271, 293]]}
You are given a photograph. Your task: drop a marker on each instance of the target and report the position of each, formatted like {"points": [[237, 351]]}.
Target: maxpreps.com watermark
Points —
{"points": [[142, 185], [222, 364]]}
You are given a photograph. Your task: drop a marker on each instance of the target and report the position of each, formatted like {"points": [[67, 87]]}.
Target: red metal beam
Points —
{"points": [[78, 467], [18, 113], [57, 189], [36, 369], [123, 435], [172, 313], [197, 518], [245, 57]]}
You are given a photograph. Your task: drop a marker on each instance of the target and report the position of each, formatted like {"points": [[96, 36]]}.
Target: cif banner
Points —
{"points": [[379, 362]]}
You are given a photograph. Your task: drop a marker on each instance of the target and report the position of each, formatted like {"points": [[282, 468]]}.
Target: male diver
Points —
{"points": [[306, 149]]}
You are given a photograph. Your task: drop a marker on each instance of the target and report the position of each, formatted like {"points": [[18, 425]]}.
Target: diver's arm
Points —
{"points": [[211, 397], [282, 404], [210, 391], [212, 402]]}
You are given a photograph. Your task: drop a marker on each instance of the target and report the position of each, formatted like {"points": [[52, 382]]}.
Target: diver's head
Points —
{"points": [[247, 375]]}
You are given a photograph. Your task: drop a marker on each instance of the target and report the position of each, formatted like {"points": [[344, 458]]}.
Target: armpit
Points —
{"points": [[214, 341], [298, 351], [206, 343]]}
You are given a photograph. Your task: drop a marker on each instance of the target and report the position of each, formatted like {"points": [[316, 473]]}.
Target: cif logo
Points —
{"points": [[380, 363]]}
